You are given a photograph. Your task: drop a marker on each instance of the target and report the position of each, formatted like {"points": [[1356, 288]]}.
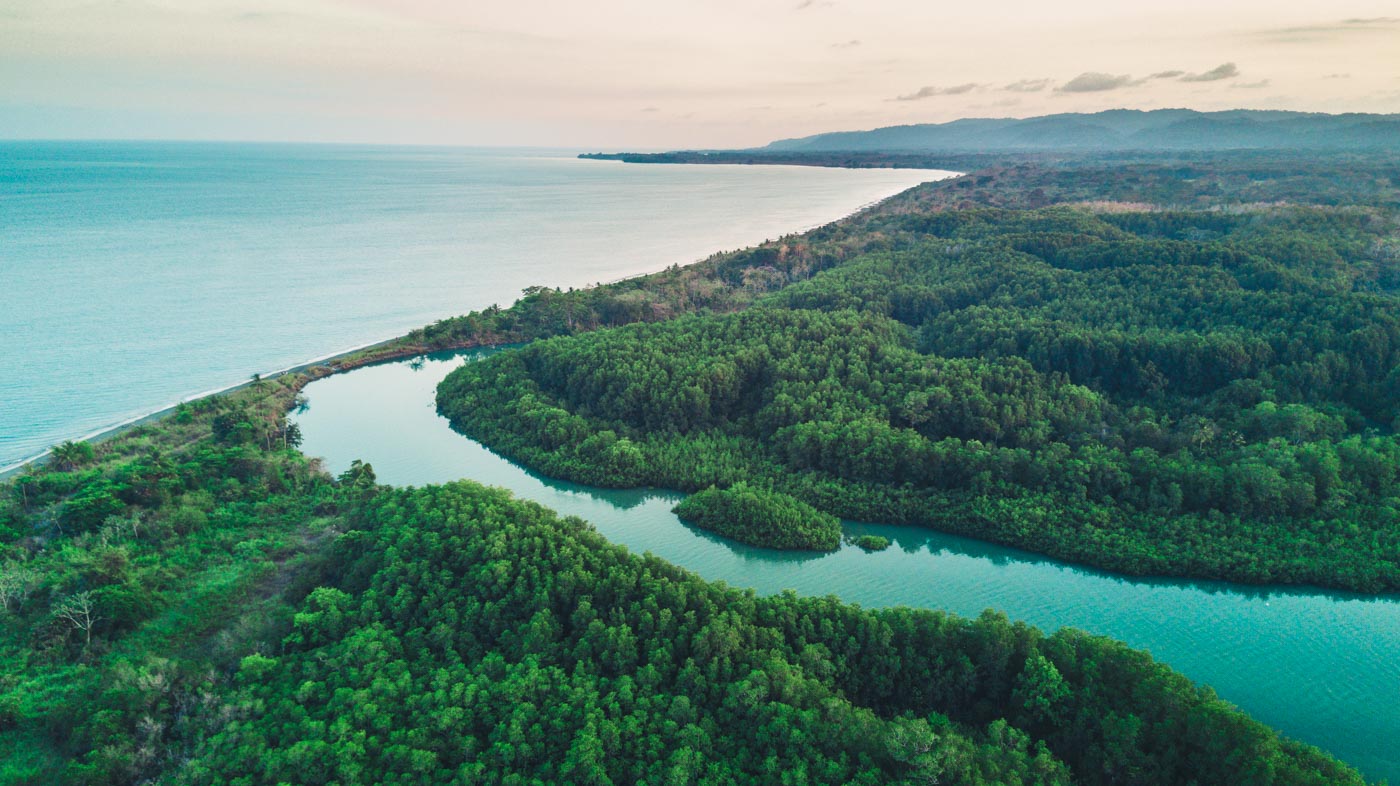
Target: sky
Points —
{"points": [[660, 74]]}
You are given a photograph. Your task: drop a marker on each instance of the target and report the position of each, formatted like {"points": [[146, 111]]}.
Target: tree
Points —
{"points": [[15, 583], [359, 478], [233, 425], [80, 610], [913, 744], [70, 455], [1041, 689]]}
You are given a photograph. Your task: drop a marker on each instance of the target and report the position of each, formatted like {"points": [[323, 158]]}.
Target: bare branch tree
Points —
{"points": [[15, 583], [80, 610]]}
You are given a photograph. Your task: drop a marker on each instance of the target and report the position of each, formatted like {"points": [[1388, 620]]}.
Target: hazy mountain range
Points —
{"points": [[1121, 129]]}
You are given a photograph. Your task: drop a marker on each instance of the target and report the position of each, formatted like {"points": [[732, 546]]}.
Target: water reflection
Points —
{"points": [[751, 554]]}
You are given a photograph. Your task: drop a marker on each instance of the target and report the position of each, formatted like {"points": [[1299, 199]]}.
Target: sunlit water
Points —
{"points": [[1321, 667], [133, 275]]}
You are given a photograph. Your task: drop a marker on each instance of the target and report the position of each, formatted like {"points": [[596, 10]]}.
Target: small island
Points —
{"points": [[761, 517], [873, 542]]}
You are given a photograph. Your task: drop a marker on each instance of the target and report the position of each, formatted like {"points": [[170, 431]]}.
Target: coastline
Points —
{"points": [[116, 429], [396, 347]]}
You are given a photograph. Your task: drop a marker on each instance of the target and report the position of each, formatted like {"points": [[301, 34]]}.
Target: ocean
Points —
{"points": [[136, 275]]}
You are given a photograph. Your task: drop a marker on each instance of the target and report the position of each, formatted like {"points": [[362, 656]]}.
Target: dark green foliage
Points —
{"points": [[70, 455], [873, 542], [479, 639], [762, 518], [87, 509], [233, 426], [1176, 393]]}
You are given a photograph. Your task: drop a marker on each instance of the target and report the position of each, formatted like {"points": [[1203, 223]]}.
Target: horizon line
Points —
{"points": [[593, 148]]}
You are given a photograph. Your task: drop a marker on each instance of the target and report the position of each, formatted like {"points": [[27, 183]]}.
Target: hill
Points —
{"points": [[1121, 129]]}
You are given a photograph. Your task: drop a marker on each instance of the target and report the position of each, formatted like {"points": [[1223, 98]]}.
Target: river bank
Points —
{"points": [[301, 374]]}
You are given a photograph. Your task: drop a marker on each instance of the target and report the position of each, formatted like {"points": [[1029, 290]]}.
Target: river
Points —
{"points": [[1319, 666]]}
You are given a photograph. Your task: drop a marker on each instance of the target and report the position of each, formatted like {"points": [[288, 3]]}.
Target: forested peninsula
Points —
{"points": [[1108, 346], [1164, 390]]}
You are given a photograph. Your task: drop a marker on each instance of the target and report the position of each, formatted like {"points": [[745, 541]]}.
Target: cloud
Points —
{"points": [[1336, 76], [1250, 85], [1167, 75], [651, 109], [1028, 85], [1222, 71], [851, 44], [930, 92], [1329, 30], [803, 5], [1094, 82]]}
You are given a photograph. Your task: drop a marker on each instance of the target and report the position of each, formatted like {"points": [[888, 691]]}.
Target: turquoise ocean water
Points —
{"points": [[135, 275]]}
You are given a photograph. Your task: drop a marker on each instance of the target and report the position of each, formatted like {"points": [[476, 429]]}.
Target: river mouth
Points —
{"points": [[1319, 666]]}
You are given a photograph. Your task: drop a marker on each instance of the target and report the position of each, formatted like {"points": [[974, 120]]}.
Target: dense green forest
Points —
{"points": [[762, 517], [1190, 393], [195, 601], [513, 647]]}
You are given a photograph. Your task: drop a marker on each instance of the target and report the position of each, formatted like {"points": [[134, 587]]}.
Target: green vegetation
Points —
{"points": [[1192, 393], [873, 542], [762, 518], [534, 651], [195, 602], [135, 574], [70, 455], [238, 617]]}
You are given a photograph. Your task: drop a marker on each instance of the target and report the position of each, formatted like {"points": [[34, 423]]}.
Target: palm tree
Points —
{"points": [[70, 455]]}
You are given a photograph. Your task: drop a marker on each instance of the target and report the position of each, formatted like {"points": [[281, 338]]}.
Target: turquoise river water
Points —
{"points": [[1322, 667]]}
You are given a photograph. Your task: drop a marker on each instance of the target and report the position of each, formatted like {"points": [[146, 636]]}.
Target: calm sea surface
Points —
{"points": [[1321, 667], [134, 275]]}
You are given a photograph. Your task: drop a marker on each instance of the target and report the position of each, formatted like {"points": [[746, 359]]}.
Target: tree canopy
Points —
{"points": [[1187, 393]]}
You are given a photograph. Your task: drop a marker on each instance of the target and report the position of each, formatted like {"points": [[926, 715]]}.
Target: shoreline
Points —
{"points": [[108, 432], [336, 361]]}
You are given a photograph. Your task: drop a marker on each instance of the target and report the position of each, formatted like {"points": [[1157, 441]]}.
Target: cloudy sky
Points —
{"points": [[662, 73]]}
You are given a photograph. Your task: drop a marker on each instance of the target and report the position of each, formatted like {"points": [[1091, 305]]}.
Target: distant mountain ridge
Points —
{"points": [[1121, 129]]}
